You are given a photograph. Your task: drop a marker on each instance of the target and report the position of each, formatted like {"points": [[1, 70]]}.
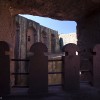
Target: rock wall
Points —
{"points": [[69, 38], [29, 32], [56, 9], [88, 33], [7, 31]]}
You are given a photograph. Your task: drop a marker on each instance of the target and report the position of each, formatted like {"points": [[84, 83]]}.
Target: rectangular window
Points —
{"points": [[29, 38]]}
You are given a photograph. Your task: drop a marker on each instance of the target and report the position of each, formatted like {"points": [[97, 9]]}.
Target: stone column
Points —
{"points": [[71, 64], [4, 69], [49, 39], [7, 30], [57, 47], [88, 32], [38, 69], [38, 33], [96, 66]]}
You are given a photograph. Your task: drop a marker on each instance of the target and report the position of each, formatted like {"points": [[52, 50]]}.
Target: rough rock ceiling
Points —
{"points": [[57, 9]]}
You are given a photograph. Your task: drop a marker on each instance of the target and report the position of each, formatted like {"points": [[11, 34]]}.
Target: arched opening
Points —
{"points": [[87, 15], [31, 32], [31, 36]]}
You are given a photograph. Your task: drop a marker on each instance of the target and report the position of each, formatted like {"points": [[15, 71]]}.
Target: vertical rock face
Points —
{"points": [[7, 30], [88, 32], [4, 69], [96, 66], [64, 10]]}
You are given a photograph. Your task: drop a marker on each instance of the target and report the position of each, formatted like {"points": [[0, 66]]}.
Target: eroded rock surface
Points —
{"points": [[57, 9]]}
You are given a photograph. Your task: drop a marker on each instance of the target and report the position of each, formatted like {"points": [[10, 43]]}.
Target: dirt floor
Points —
{"points": [[86, 92]]}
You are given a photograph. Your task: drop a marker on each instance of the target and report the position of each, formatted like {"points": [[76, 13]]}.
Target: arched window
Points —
{"points": [[31, 37], [44, 38]]}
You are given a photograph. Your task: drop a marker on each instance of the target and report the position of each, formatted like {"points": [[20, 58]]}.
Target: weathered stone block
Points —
{"points": [[71, 64], [38, 70]]}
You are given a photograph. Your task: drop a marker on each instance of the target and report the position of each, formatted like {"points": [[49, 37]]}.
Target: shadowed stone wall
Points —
{"points": [[88, 33], [88, 28], [7, 30]]}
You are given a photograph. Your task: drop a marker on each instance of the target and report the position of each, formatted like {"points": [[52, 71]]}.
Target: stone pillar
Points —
{"points": [[7, 30], [71, 63], [38, 33], [57, 47], [22, 42], [4, 69], [96, 66], [49, 39], [38, 69], [88, 33]]}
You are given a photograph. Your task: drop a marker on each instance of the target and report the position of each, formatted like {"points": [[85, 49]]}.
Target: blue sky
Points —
{"points": [[64, 27]]}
